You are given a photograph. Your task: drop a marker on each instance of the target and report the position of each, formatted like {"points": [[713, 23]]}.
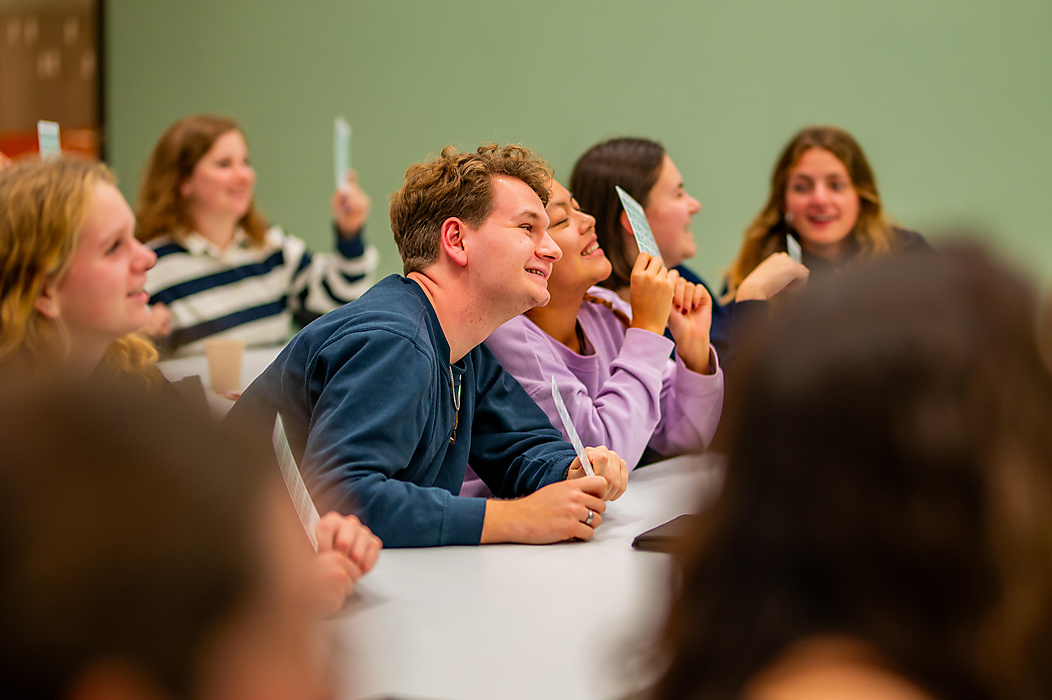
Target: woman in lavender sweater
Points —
{"points": [[609, 358]]}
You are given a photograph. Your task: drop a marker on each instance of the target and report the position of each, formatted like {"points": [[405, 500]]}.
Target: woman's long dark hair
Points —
{"points": [[889, 479], [632, 164]]}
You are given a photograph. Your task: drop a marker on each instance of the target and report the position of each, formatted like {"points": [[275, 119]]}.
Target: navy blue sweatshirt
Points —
{"points": [[368, 404]]}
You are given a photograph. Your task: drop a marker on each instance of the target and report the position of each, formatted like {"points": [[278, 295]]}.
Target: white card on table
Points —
{"points": [[341, 151], [47, 136], [793, 246], [575, 440], [305, 507], [640, 226]]}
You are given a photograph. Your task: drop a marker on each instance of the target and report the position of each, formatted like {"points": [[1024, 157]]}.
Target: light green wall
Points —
{"points": [[950, 99]]}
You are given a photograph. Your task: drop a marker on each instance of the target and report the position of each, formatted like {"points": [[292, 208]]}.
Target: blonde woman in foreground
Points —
{"points": [[72, 299]]}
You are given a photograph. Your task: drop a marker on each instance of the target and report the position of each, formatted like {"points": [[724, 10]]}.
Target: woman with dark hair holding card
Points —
{"points": [[221, 270], [824, 196], [890, 536], [609, 358], [645, 171]]}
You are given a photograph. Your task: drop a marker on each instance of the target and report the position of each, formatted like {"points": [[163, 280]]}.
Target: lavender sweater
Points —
{"points": [[626, 394]]}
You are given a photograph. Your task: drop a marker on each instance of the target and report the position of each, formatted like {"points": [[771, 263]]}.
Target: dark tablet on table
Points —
{"points": [[666, 537]]}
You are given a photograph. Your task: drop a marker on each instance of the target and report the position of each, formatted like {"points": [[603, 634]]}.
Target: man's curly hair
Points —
{"points": [[456, 185]]}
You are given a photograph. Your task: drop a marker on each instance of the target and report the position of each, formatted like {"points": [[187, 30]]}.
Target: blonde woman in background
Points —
{"points": [[823, 194]]}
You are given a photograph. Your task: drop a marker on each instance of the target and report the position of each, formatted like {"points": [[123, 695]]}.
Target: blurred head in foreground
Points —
{"points": [[143, 554], [887, 511]]}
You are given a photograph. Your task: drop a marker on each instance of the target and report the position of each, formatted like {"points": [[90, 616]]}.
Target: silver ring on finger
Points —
{"points": [[590, 518]]}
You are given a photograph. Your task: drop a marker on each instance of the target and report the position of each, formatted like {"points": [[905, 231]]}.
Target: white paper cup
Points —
{"points": [[224, 363]]}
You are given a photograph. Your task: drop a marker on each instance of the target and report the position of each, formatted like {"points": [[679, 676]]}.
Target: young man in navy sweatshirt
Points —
{"points": [[387, 399]]}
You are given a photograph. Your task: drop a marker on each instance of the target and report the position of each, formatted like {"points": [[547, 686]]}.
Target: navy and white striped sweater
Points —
{"points": [[249, 291]]}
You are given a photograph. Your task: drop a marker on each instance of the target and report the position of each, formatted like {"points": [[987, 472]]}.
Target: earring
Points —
{"points": [[789, 219]]}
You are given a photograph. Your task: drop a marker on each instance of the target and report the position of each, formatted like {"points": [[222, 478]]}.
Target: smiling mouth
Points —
{"points": [[540, 273], [591, 248]]}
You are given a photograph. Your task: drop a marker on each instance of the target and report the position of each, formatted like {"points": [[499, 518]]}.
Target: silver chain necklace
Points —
{"points": [[455, 390]]}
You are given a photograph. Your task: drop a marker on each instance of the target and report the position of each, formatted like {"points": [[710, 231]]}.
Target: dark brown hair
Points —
{"points": [[634, 165], [129, 530], [456, 185], [889, 479]]}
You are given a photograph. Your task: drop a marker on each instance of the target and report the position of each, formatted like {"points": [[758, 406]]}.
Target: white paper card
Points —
{"points": [[294, 482], [341, 151], [793, 246], [640, 226], [47, 136], [575, 440]]}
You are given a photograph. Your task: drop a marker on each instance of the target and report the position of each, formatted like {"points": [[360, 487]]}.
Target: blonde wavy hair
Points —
{"points": [[43, 206], [160, 208], [873, 233]]}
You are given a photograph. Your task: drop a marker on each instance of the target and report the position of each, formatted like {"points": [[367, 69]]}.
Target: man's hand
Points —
{"points": [[562, 511], [347, 550], [606, 464], [350, 207]]}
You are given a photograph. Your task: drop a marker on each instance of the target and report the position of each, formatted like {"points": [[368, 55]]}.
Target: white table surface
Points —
{"points": [[516, 621], [550, 622], [254, 361]]}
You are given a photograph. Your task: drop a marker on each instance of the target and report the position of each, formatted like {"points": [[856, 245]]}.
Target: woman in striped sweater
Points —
{"points": [[221, 269]]}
